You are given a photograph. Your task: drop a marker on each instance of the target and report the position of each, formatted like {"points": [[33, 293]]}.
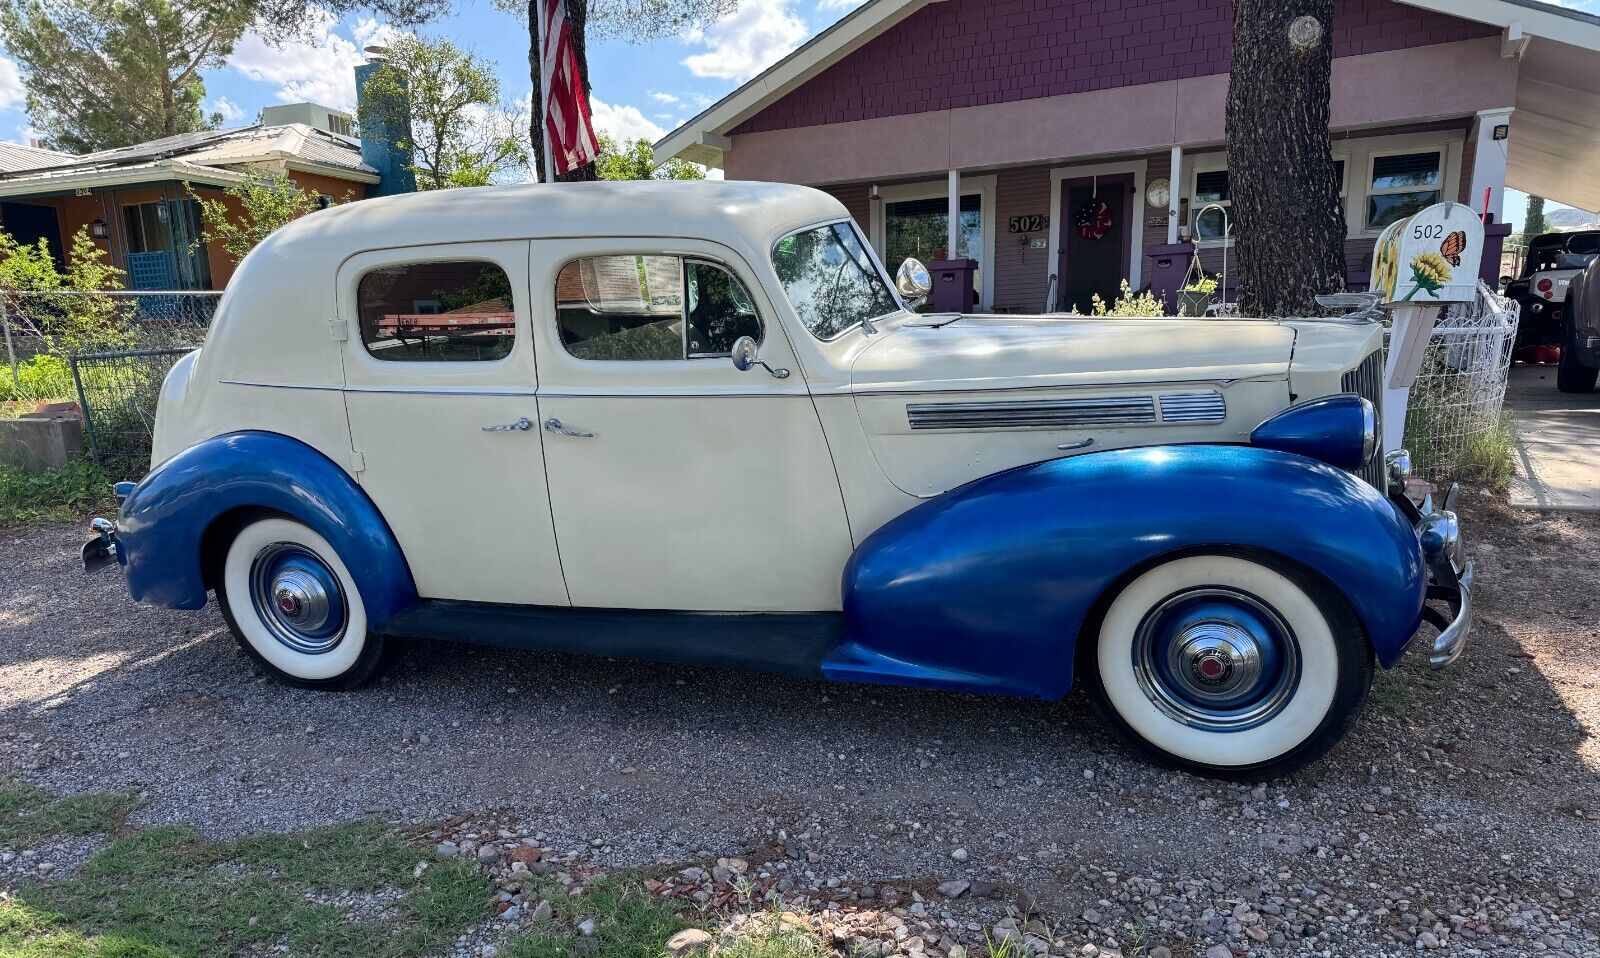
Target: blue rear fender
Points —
{"points": [[163, 526], [987, 587]]}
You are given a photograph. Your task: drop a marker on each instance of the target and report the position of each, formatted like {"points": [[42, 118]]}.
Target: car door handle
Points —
{"points": [[521, 425], [554, 426], [1080, 444]]}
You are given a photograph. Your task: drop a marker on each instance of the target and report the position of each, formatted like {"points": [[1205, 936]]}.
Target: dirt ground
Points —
{"points": [[1461, 815]]}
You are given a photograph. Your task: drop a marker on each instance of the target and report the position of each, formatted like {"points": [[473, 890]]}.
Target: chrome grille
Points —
{"points": [[1366, 381], [1193, 407], [1118, 411]]}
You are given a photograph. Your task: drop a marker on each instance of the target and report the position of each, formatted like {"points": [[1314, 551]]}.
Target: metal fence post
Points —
{"points": [[83, 407]]}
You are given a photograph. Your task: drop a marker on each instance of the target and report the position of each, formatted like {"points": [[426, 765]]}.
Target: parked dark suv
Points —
{"points": [[1540, 291], [1580, 346]]}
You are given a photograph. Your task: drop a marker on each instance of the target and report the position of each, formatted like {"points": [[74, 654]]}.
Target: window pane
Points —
{"points": [[920, 228], [830, 279], [1211, 187], [720, 310], [1386, 209], [1212, 224], [437, 312], [621, 307], [1408, 170]]}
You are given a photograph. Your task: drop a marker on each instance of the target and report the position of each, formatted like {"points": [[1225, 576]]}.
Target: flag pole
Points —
{"points": [[544, 94]]}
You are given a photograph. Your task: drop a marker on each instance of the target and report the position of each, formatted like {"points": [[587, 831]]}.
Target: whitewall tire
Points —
{"points": [[294, 607], [1238, 666]]}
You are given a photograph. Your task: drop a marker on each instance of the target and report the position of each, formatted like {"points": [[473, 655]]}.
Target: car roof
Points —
{"points": [[739, 214]]}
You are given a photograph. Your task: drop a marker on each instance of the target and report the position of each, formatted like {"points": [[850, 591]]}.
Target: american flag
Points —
{"points": [[569, 132]]}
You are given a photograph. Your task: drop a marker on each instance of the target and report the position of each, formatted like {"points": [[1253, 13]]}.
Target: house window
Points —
{"points": [[651, 308], [172, 228], [1402, 184], [921, 228], [1211, 187], [467, 312]]}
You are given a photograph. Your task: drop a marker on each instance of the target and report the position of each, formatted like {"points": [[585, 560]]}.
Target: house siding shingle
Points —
{"points": [[963, 53]]}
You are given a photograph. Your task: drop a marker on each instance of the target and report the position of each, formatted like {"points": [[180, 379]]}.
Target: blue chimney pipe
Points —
{"points": [[382, 137]]}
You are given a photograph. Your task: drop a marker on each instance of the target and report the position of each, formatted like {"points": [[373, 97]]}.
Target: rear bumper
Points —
{"points": [[102, 549]]}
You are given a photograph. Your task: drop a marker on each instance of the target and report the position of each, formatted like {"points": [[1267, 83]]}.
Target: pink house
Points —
{"points": [[1067, 145]]}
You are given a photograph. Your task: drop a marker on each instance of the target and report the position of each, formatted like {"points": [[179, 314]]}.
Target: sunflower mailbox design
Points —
{"points": [[1422, 264]]}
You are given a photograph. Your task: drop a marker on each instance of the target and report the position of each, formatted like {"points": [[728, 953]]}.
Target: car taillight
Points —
{"points": [[1545, 285]]}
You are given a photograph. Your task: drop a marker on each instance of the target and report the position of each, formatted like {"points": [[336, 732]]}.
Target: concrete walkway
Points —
{"points": [[1558, 443]]}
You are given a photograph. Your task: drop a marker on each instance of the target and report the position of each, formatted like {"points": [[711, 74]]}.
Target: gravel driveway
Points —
{"points": [[1462, 814]]}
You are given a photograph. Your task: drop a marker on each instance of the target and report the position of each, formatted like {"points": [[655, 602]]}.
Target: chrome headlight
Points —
{"points": [[1369, 431], [1397, 471], [1441, 536]]}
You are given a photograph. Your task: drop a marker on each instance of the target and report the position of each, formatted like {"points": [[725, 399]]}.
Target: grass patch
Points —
{"points": [[28, 814], [771, 938], [58, 495], [629, 922]]}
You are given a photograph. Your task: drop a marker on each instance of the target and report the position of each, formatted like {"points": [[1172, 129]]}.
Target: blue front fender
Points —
{"points": [[165, 517], [986, 587]]}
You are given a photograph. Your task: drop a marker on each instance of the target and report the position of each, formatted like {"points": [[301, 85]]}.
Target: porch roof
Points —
{"points": [[1556, 124]]}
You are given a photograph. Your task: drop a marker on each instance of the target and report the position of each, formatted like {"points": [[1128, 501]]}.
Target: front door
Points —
{"points": [[1095, 237], [678, 481], [440, 391]]}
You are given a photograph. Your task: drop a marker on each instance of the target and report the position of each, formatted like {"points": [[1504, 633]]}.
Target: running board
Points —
{"points": [[780, 643]]}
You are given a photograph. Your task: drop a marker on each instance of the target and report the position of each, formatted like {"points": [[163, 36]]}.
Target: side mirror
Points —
{"points": [[913, 281], [744, 358]]}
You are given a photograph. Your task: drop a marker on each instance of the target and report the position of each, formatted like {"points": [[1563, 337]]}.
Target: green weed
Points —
{"points": [[57, 495]]}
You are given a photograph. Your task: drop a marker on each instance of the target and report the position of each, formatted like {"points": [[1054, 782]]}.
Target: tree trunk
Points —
{"points": [[1288, 224], [577, 13]]}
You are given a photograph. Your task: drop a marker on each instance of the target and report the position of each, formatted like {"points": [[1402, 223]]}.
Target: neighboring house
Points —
{"points": [[135, 201], [1021, 116]]}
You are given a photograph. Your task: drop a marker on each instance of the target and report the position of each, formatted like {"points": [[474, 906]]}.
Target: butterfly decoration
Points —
{"points": [[1093, 220], [1453, 246]]}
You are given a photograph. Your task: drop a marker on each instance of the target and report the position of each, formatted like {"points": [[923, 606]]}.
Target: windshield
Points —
{"points": [[831, 280]]}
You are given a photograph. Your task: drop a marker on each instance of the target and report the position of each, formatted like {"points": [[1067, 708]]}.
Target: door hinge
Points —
{"points": [[338, 330], [358, 462]]}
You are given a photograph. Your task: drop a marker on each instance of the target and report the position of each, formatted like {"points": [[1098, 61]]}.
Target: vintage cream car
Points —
{"points": [[699, 423]]}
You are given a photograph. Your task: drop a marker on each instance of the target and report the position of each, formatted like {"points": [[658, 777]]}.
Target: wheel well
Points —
{"points": [[1084, 657], [219, 535]]}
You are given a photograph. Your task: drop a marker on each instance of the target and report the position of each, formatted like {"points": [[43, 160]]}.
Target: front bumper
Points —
{"points": [[1449, 574], [102, 549]]}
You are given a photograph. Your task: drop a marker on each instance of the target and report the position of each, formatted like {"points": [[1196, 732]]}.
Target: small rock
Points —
{"points": [[527, 854], [1219, 951], [586, 927], [1429, 940], [1160, 951], [959, 854], [447, 850], [541, 912], [956, 951], [954, 888], [688, 942]]}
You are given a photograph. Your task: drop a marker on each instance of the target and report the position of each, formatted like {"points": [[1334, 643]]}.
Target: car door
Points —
{"points": [[440, 390], [678, 481]]}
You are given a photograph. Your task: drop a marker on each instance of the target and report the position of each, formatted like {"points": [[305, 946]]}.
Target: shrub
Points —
{"points": [[43, 377]]}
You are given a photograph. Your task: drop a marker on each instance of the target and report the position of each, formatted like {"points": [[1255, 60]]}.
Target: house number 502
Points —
{"points": [[1027, 224]]}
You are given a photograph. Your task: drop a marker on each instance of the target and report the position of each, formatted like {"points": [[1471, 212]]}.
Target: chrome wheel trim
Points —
{"points": [[298, 598], [1216, 659]]}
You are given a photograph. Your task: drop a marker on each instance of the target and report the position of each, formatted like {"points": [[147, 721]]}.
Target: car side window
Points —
{"points": [[642, 307], [451, 311]]}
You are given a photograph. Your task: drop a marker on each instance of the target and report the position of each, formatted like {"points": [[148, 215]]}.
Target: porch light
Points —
{"points": [[97, 229]]}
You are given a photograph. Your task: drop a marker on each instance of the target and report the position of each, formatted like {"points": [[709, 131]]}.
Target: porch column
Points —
{"points": [[1489, 162], [1174, 185], [955, 214]]}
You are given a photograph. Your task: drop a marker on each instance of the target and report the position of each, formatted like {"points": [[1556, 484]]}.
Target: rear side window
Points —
{"points": [[452, 311], [643, 307]]}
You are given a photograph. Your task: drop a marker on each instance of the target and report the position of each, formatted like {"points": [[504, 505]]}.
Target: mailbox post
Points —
{"points": [[1422, 264]]}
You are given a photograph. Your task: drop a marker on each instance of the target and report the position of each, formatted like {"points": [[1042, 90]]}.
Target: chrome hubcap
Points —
{"points": [[298, 598], [1216, 659]]}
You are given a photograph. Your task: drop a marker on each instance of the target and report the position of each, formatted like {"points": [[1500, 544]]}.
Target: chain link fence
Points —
{"points": [[106, 351], [1456, 426]]}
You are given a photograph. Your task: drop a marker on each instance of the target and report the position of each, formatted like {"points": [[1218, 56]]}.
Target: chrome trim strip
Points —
{"points": [[1193, 407], [531, 394], [1121, 410]]}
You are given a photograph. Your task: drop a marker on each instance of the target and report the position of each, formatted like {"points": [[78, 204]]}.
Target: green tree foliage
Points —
{"points": [[60, 307], [633, 161], [265, 201], [109, 73], [1535, 224], [462, 135]]}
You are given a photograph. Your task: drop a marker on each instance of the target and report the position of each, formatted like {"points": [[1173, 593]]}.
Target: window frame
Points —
{"points": [[433, 364], [684, 258], [982, 186], [1368, 191]]}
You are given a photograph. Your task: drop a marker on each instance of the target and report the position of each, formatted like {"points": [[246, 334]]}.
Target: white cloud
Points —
{"points": [[224, 107], [838, 4], [623, 123], [663, 97], [12, 92], [756, 35], [322, 71]]}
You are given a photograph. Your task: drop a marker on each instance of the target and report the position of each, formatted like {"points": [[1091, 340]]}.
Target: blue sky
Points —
{"points": [[639, 89]]}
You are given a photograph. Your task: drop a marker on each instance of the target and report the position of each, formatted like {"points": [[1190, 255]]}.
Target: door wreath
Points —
{"points": [[1093, 219]]}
